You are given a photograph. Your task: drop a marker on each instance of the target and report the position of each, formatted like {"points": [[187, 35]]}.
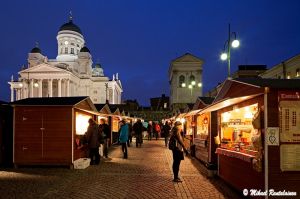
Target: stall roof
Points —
{"points": [[50, 101], [272, 83], [193, 112], [226, 102], [103, 108], [181, 115]]}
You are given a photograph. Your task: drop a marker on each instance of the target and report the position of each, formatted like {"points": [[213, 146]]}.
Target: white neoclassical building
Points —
{"points": [[185, 79], [70, 74]]}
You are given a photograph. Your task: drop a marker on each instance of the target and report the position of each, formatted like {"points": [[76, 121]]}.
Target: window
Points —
{"points": [[287, 118], [66, 50], [72, 44], [61, 50], [288, 76], [165, 105], [192, 80], [95, 92], [294, 118], [72, 50], [181, 80], [297, 72], [77, 45]]}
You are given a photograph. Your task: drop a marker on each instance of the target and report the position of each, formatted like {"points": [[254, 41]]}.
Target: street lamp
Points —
{"points": [[229, 43]]}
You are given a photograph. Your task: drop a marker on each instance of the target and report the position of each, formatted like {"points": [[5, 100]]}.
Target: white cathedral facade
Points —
{"points": [[70, 74]]}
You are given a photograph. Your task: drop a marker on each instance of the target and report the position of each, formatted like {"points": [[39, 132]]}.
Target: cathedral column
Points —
{"points": [[50, 87], [11, 93], [40, 88], [59, 87], [17, 93], [24, 90], [31, 88], [68, 87]]}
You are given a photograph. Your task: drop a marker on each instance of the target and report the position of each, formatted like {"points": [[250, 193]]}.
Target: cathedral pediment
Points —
{"points": [[188, 58], [44, 67]]}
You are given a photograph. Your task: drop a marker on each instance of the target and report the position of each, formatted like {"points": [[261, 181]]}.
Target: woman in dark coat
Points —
{"points": [[178, 150]]}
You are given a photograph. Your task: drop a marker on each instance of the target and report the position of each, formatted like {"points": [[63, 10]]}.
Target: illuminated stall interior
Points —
{"points": [[202, 126], [237, 130]]}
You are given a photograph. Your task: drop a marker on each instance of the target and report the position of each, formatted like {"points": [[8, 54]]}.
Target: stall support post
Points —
{"points": [[265, 140]]}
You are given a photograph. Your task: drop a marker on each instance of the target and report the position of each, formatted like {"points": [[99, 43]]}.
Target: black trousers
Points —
{"points": [[177, 157], [94, 153], [138, 139], [124, 149]]}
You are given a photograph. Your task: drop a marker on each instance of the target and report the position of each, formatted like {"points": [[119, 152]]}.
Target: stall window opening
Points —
{"points": [[82, 123], [237, 130]]}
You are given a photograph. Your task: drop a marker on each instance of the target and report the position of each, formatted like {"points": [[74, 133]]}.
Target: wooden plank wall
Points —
{"points": [[240, 174], [53, 145]]}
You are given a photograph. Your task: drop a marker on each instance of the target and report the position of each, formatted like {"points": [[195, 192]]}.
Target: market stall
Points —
{"points": [[206, 125], [258, 133], [48, 131]]}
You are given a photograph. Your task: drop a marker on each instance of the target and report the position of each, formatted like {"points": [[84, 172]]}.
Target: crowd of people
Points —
{"points": [[100, 135]]}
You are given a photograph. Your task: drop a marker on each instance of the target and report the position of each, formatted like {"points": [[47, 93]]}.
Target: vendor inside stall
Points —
{"points": [[237, 131]]}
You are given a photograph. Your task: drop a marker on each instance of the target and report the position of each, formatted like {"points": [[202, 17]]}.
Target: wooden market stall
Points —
{"points": [[205, 128], [48, 131], [259, 133]]}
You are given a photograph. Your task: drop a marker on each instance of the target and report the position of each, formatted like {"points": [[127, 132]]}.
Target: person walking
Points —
{"points": [[156, 130], [177, 150], [93, 136], [107, 136], [129, 134], [150, 130], [166, 130], [138, 130], [123, 138]]}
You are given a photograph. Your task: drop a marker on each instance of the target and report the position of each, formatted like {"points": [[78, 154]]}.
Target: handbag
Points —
{"points": [[101, 150], [179, 153]]}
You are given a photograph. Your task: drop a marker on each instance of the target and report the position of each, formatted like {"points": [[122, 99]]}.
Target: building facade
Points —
{"points": [[71, 74], [185, 78], [288, 69]]}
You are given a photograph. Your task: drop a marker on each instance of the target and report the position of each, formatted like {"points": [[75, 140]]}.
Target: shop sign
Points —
{"points": [[273, 136], [289, 96]]}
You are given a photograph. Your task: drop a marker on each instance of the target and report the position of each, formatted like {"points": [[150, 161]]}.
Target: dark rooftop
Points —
{"points": [[70, 26], [252, 67], [54, 101], [207, 100]]}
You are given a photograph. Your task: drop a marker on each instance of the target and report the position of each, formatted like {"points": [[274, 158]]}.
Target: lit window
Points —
{"points": [[288, 76], [165, 105], [297, 72]]}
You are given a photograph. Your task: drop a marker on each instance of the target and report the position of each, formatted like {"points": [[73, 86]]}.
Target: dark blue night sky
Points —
{"points": [[139, 38]]}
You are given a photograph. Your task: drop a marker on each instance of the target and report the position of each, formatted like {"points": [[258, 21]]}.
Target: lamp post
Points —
{"points": [[191, 86], [229, 43]]}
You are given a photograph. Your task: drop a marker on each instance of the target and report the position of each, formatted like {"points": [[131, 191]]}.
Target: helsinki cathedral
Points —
{"points": [[71, 74]]}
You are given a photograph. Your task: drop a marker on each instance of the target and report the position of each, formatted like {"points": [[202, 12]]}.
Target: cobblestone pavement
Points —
{"points": [[146, 173]]}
